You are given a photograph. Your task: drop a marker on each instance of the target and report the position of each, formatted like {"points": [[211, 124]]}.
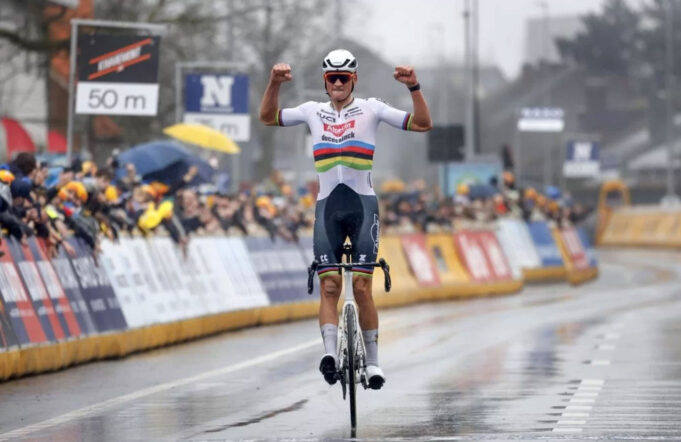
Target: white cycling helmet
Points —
{"points": [[339, 60]]}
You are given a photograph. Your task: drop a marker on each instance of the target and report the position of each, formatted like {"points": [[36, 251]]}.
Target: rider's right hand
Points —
{"points": [[281, 72]]}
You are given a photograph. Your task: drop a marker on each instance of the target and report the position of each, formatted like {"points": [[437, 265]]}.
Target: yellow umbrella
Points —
{"points": [[202, 136]]}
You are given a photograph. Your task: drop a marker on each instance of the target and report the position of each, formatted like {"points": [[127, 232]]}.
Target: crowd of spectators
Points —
{"points": [[92, 202], [476, 205]]}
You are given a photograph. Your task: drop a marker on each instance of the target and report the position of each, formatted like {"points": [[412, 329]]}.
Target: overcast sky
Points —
{"points": [[423, 31]]}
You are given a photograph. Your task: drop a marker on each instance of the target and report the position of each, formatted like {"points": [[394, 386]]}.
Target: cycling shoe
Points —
{"points": [[375, 376], [328, 368]]}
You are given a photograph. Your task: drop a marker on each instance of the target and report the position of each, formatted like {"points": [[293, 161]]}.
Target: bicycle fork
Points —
{"points": [[343, 350]]}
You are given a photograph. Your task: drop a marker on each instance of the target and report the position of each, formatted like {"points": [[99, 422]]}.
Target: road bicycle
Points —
{"points": [[350, 347]]}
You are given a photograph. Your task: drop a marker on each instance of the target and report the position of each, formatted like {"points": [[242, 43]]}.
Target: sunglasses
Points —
{"points": [[332, 77]]}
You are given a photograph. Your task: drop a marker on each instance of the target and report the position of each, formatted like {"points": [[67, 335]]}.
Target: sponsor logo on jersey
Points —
{"points": [[325, 117], [345, 137], [339, 129]]}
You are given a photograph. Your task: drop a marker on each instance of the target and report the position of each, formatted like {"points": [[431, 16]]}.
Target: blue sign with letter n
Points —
{"points": [[216, 93]]}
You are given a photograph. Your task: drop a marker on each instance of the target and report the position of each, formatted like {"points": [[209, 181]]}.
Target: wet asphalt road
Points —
{"points": [[594, 362]]}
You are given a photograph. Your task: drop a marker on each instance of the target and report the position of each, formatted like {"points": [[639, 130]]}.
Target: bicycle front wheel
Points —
{"points": [[352, 365]]}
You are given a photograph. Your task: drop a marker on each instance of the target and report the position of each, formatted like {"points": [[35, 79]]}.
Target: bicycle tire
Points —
{"points": [[352, 382]]}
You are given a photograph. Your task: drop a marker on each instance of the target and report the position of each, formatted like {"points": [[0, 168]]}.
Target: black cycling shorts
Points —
{"points": [[345, 213]]}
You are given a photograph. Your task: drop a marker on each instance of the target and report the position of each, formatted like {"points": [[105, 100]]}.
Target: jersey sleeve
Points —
{"points": [[388, 114], [293, 116]]}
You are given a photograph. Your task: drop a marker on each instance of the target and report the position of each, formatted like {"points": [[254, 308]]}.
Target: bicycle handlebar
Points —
{"points": [[348, 266]]}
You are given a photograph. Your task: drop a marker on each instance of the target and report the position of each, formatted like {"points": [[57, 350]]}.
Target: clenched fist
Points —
{"points": [[281, 72], [406, 75]]}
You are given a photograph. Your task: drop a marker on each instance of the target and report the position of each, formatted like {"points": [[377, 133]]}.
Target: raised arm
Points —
{"points": [[269, 105], [421, 121]]}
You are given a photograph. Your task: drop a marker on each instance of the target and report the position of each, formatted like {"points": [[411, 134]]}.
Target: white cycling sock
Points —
{"points": [[371, 344], [330, 337]]}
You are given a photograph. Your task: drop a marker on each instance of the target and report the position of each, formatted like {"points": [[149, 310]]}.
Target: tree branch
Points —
{"points": [[41, 45]]}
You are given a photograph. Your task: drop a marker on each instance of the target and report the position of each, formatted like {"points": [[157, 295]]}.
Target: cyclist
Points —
{"points": [[344, 133]]}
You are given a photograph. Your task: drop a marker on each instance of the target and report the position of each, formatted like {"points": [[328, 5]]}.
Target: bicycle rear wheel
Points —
{"points": [[352, 364]]}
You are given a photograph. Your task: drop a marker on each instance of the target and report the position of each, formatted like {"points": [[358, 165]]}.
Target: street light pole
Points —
{"points": [[470, 133], [670, 86]]}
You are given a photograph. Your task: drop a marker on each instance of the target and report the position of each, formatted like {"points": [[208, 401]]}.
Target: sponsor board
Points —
{"points": [[55, 291], [281, 268], [248, 290], [448, 264], [545, 244], [219, 101], [495, 255], [421, 263], [160, 309], [473, 256], [166, 248], [221, 288], [117, 267], [96, 289], [69, 283], [588, 247], [515, 238], [573, 246], [8, 338], [17, 304], [42, 304]]}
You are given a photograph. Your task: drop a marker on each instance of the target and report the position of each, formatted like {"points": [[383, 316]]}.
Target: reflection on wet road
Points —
{"points": [[598, 361]]}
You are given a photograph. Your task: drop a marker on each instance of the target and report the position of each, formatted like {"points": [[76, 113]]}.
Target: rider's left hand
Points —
{"points": [[406, 75]]}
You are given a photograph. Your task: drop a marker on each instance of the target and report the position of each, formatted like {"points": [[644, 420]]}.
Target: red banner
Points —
{"points": [[575, 249], [473, 256], [421, 263], [18, 305], [495, 255]]}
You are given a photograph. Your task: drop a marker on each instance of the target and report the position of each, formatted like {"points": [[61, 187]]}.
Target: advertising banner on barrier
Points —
{"points": [[421, 263], [8, 338], [545, 244], [588, 247], [118, 267], [280, 267], [159, 266], [61, 304], [515, 239], [495, 255], [474, 256], [448, 264], [159, 307], [18, 306], [96, 289], [36, 290], [248, 291], [573, 245], [220, 286], [169, 253], [69, 282]]}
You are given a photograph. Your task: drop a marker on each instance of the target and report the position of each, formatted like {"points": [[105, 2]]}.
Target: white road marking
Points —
{"points": [[578, 407], [589, 388], [582, 401], [592, 381], [585, 394], [605, 347], [575, 415], [611, 336], [600, 362], [567, 430], [571, 422]]}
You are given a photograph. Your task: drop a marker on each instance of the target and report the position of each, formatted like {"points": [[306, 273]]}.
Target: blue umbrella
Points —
{"points": [[164, 161]]}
